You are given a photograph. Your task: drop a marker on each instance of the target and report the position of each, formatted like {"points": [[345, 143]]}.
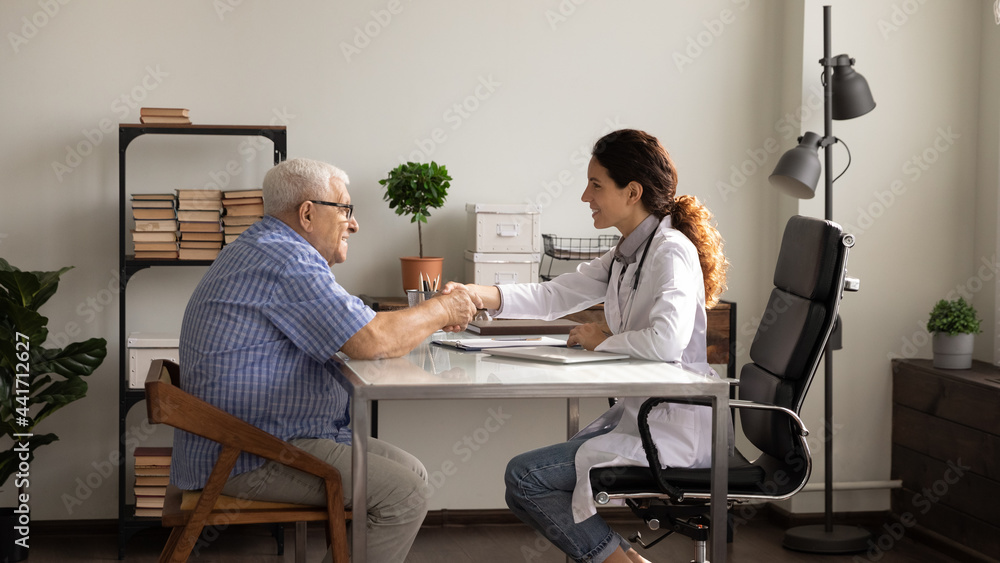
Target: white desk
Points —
{"points": [[437, 372]]}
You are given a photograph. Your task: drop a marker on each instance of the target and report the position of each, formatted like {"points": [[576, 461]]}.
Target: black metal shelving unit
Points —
{"points": [[128, 523]]}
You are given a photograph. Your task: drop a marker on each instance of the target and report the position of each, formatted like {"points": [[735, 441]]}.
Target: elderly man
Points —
{"points": [[256, 336]]}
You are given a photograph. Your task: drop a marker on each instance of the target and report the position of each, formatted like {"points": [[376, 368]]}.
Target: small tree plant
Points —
{"points": [[953, 317], [35, 381], [414, 189]]}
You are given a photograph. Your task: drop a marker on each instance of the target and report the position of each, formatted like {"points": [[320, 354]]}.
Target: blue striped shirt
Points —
{"points": [[256, 339]]}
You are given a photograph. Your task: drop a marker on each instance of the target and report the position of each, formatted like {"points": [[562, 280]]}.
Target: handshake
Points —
{"points": [[461, 303]]}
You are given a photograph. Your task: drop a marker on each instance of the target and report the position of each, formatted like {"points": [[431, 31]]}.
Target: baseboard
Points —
{"points": [[438, 518], [872, 521], [499, 516], [783, 518], [475, 517], [503, 516], [74, 527]]}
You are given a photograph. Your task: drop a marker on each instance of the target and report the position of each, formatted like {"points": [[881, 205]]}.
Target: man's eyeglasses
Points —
{"points": [[349, 207]]}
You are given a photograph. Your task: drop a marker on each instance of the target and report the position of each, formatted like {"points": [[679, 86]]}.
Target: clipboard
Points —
{"points": [[477, 344], [499, 327]]}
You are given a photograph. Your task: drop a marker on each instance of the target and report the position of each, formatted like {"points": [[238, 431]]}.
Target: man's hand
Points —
{"points": [[460, 305], [488, 296], [589, 335], [394, 333]]}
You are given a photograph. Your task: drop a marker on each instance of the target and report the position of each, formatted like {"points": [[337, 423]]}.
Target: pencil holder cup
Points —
{"points": [[414, 297]]}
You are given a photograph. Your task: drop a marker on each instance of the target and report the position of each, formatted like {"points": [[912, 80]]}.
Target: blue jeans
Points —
{"points": [[540, 487]]}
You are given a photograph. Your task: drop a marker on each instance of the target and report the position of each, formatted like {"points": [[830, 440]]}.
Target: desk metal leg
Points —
{"points": [[720, 481], [359, 479], [572, 426], [572, 417]]}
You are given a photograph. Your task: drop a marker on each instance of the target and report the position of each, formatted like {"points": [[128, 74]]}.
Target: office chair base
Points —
{"points": [[695, 527], [817, 539], [637, 538]]}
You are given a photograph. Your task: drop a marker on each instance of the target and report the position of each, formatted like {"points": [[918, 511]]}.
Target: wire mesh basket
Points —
{"points": [[588, 248], [574, 248]]}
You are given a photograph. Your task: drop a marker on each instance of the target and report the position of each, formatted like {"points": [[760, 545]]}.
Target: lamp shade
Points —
{"points": [[797, 172], [851, 95]]}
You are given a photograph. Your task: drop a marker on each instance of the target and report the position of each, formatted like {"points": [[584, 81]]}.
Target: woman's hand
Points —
{"points": [[589, 335], [488, 295]]}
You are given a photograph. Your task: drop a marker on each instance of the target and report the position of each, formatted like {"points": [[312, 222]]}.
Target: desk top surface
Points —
{"points": [[432, 371]]}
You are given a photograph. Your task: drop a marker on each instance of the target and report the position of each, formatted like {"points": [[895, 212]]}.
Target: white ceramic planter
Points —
{"points": [[953, 352]]}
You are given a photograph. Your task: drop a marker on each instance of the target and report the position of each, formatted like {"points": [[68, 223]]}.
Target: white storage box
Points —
{"points": [[503, 228], [495, 269], [143, 348]]}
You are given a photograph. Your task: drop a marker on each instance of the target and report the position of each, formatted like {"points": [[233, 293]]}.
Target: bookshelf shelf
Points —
{"points": [[128, 265], [132, 265]]}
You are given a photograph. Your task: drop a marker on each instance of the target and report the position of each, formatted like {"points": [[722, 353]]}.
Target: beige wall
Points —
{"points": [[714, 80]]}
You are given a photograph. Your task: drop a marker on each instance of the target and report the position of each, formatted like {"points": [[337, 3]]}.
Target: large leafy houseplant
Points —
{"points": [[35, 381], [414, 189]]}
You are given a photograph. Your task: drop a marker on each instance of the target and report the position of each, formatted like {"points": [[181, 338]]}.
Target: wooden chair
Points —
{"points": [[188, 512]]}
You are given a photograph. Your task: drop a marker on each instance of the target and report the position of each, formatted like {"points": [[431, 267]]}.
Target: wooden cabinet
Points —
{"points": [[946, 451]]}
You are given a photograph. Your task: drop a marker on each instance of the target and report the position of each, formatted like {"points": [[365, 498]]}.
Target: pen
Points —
{"points": [[517, 339]]}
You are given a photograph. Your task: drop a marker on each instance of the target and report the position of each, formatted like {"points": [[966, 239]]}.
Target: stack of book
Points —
{"points": [[199, 213], [155, 233], [243, 208], [152, 475], [164, 116]]}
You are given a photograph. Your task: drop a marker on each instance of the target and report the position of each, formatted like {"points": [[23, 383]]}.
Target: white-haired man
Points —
{"points": [[259, 332]]}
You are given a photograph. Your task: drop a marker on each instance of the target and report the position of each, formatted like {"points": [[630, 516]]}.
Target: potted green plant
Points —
{"points": [[954, 325], [414, 189], [35, 381]]}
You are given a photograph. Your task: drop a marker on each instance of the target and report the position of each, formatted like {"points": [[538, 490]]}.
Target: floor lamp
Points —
{"points": [[846, 95]]}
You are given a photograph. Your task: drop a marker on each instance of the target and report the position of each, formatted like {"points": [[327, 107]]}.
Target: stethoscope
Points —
{"points": [[627, 308]]}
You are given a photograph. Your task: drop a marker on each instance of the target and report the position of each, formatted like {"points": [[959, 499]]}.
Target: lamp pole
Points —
{"points": [[828, 140], [827, 538]]}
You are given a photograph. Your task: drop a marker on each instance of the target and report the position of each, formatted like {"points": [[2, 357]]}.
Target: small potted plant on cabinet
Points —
{"points": [[414, 189], [954, 325]]}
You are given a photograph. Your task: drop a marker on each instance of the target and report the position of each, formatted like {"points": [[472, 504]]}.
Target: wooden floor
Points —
{"points": [[758, 541]]}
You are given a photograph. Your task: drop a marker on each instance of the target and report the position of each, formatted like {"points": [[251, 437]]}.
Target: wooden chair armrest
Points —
{"points": [[167, 404]]}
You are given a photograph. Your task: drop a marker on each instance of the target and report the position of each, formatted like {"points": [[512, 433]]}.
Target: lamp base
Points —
{"points": [[817, 539]]}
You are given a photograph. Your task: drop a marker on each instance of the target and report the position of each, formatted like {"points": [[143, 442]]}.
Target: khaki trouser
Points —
{"points": [[397, 482]]}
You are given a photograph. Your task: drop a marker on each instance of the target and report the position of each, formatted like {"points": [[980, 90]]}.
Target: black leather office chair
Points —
{"points": [[801, 312]]}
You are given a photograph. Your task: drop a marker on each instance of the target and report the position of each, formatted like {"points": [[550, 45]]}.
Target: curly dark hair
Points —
{"points": [[630, 155]]}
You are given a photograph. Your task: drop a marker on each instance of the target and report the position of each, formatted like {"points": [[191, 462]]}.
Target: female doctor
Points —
{"points": [[655, 285]]}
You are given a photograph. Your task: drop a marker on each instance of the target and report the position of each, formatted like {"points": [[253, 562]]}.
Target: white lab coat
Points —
{"points": [[666, 322]]}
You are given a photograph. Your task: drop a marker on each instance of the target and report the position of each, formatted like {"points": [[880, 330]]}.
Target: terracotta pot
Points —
{"points": [[413, 266]]}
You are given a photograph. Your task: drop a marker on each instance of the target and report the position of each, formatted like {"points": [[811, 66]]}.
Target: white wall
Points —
{"points": [[714, 80]]}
